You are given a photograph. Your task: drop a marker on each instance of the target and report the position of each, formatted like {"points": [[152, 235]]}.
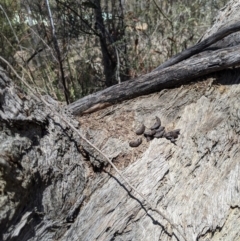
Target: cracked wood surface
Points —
{"points": [[196, 182], [52, 187]]}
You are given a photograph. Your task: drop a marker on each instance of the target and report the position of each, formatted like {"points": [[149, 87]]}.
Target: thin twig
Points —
{"points": [[45, 43], [161, 11], [57, 49]]}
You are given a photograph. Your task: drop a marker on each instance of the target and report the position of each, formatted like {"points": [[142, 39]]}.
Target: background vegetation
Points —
{"points": [[71, 48]]}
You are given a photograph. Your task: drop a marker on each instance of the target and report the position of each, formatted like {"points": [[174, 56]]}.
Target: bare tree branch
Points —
{"points": [[200, 46], [55, 41]]}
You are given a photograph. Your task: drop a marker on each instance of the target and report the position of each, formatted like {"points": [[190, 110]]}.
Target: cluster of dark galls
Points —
{"points": [[156, 131]]}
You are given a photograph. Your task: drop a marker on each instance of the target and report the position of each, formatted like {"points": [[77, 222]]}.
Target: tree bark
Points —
{"points": [[57, 184], [56, 187]]}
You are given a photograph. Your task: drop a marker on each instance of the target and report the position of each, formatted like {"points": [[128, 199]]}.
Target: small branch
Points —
{"points": [[81, 18], [37, 51], [199, 47], [57, 51], [160, 10], [44, 43], [117, 72]]}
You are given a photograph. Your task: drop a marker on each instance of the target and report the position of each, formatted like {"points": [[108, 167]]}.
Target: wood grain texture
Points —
{"points": [[195, 181], [52, 187]]}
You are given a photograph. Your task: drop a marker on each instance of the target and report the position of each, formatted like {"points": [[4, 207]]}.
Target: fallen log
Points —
{"points": [[50, 189], [178, 74]]}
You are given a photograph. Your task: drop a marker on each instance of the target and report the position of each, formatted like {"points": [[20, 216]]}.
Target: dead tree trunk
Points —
{"points": [[62, 182]]}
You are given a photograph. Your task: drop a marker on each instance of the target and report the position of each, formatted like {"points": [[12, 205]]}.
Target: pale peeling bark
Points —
{"points": [[54, 186]]}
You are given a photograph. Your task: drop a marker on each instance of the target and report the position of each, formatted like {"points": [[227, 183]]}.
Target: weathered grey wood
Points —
{"points": [[229, 15], [39, 165], [196, 181], [182, 73], [51, 189]]}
